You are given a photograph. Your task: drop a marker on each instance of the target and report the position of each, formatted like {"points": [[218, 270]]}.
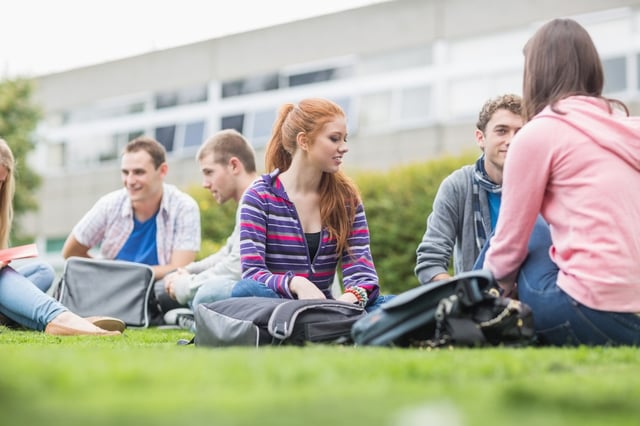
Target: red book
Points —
{"points": [[19, 252]]}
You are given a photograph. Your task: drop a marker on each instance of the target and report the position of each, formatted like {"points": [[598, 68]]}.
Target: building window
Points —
{"points": [[193, 95], [193, 134], [136, 108], [233, 122], [615, 74], [118, 144], [311, 77], [254, 84], [165, 135], [166, 100], [262, 127], [132, 135], [190, 95]]}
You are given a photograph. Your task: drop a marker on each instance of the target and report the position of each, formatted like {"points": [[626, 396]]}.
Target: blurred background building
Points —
{"points": [[411, 75]]}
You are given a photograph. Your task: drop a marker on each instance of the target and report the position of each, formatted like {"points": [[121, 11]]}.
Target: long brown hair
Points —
{"points": [[561, 61], [338, 194], [6, 194]]}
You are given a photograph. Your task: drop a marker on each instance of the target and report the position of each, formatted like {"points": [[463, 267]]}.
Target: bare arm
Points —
{"points": [[179, 259], [73, 248]]}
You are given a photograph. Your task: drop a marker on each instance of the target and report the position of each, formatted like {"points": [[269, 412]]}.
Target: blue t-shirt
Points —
{"points": [[494, 207], [141, 245]]}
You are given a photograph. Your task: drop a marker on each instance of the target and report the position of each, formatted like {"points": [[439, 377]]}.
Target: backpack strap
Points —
{"points": [[283, 318], [474, 287]]}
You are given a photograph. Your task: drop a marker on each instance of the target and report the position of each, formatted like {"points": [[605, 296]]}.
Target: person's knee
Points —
{"points": [[43, 276], [213, 291], [242, 288]]}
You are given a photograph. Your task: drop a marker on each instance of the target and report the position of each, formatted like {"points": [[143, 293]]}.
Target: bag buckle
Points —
{"points": [[469, 292]]}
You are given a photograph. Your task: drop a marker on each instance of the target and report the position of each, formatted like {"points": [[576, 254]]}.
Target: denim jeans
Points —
{"points": [[249, 288], [23, 302], [213, 290], [558, 318], [39, 273]]}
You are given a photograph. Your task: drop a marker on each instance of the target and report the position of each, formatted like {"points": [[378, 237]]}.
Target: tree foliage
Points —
{"points": [[18, 119]]}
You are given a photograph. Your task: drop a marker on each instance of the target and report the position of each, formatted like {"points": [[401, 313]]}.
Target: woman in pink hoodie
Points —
{"points": [[576, 162]]}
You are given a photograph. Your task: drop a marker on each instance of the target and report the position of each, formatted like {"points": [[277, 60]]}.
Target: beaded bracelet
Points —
{"points": [[360, 294], [357, 296]]}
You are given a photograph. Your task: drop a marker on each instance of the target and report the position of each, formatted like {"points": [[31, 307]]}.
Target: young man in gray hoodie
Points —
{"points": [[465, 209], [227, 162]]}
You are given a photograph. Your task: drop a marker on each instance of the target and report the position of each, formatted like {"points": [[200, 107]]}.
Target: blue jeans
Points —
{"points": [[249, 288], [23, 302], [39, 273], [559, 319], [212, 291]]}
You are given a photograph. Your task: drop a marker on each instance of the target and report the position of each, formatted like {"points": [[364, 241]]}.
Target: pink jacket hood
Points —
{"points": [[613, 131]]}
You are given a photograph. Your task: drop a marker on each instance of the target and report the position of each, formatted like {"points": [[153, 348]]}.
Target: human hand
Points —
{"points": [[169, 282], [178, 272], [168, 287], [305, 289], [439, 277], [349, 298], [3, 263], [508, 289]]}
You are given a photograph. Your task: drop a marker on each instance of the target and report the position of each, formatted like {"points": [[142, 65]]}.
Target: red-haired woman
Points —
{"points": [[305, 217]]}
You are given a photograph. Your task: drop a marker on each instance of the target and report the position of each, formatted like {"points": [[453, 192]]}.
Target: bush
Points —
{"points": [[216, 221], [396, 202]]}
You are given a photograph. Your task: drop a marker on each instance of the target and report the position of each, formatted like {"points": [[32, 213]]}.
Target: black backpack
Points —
{"points": [[465, 310], [257, 321]]}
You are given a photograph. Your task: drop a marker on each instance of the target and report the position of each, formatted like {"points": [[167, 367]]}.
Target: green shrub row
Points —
{"points": [[397, 203]]}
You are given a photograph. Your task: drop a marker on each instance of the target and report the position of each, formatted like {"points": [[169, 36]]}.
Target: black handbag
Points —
{"points": [[464, 310], [490, 320]]}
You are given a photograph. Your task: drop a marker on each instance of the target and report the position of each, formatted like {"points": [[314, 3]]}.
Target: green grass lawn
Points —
{"points": [[144, 377]]}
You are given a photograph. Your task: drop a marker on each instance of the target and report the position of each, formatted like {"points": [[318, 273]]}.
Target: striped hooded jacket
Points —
{"points": [[273, 248]]}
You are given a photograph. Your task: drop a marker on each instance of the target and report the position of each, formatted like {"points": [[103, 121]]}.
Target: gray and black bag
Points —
{"points": [[258, 321], [107, 287]]}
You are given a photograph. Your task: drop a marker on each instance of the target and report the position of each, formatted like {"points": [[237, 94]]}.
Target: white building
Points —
{"points": [[411, 74]]}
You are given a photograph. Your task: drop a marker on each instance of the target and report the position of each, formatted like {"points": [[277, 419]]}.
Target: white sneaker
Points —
{"points": [[171, 317], [187, 322]]}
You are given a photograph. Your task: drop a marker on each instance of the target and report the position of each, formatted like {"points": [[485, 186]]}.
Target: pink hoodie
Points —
{"points": [[581, 171]]}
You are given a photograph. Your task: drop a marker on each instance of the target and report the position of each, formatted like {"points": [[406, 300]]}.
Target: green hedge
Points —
{"points": [[397, 203], [216, 220]]}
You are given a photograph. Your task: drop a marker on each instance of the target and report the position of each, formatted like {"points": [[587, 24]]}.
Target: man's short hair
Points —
{"points": [[226, 144], [151, 146], [510, 102]]}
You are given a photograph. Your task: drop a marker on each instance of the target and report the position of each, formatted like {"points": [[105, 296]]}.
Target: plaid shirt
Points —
{"points": [[110, 222]]}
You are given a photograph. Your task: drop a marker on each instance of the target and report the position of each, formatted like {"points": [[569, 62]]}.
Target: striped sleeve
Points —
{"points": [[253, 238], [357, 262]]}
